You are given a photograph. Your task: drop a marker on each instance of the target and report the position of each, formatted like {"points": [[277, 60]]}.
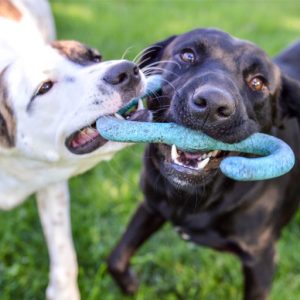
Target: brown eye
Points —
{"points": [[257, 84], [44, 88], [187, 56]]}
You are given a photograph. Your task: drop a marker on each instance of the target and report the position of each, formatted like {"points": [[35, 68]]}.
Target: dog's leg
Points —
{"points": [[258, 274], [53, 205], [143, 224]]}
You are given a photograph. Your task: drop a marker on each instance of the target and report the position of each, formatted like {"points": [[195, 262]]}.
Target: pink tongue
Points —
{"points": [[188, 155], [84, 136]]}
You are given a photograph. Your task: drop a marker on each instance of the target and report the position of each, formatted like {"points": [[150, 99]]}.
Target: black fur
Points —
{"points": [[244, 218]]}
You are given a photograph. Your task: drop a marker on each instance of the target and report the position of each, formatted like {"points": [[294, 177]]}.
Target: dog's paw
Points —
{"points": [[126, 279], [57, 293]]}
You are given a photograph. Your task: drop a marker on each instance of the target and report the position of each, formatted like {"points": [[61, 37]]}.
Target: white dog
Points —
{"points": [[50, 96]]}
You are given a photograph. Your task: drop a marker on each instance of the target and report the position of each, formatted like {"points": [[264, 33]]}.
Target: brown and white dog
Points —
{"points": [[51, 93]]}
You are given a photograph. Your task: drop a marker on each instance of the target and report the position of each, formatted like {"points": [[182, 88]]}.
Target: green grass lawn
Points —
{"points": [[104, 198]]}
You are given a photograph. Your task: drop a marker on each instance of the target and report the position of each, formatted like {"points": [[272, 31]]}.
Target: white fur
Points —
{"points": [[40, 162]]}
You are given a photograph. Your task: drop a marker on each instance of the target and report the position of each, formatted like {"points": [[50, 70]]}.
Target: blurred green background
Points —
{"points": [[104, 198]]}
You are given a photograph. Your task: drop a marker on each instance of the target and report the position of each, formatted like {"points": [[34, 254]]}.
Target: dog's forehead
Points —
{"points": [[230, 51], [41, 64], [216, 41]]}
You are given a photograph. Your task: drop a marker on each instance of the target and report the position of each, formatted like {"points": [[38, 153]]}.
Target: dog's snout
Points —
{"points": [[213, 103], [123, 74]]}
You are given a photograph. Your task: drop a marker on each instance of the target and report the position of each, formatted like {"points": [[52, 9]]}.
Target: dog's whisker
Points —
{"points": [[151, 71], [146, 58], [147, 50], [143, 53], [168, 82], [164, 61], [143, 61], [157, 68], [126, 51], [160, 69]]}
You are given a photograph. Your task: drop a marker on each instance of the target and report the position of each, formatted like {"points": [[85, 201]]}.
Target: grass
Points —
{"points": [[104, 198]]}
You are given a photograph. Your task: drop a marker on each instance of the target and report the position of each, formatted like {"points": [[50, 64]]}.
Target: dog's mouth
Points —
{"points": [[85, 140], [197, 161], [88, 139], [187, 169]]}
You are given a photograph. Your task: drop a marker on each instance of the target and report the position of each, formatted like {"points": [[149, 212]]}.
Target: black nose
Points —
{"points": [[125, 73], [213, 103]]}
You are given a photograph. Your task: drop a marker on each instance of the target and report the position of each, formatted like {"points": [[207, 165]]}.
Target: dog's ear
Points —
{"points": [[289, 99], [77, 52], [154, 52], [7, 118]]}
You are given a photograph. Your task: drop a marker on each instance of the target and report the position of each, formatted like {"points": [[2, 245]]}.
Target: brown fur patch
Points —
{"points": [[9, 11], [77, 52], [7, 119]]}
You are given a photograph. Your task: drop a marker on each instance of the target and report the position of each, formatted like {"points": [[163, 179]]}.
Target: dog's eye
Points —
{"points": [[187, 56], [257, 84], [44, 88]]}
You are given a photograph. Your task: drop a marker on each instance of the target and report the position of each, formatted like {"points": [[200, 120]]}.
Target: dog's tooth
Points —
{"points": [[202, 164], [215, 153], [174, 153], [118, 116], [203, 156], [140, 105], [89, 130]]}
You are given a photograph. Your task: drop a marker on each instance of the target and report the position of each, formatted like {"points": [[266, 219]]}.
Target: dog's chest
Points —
{"points": [[18, 181]]}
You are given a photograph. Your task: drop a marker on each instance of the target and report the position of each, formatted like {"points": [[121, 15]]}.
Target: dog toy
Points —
{"points": [[276, 157]]}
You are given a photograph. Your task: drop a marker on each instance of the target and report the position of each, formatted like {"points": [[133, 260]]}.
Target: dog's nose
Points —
{"points": [[125, 73], [213, 103]]}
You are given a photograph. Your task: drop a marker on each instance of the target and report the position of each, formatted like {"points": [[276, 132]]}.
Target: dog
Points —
{"points": [[51, 93], [229, 89]]}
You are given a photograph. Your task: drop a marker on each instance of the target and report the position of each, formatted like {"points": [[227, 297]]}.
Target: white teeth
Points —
{"points": [[202, 160], [118, 116], [140, 105], [214, 153], [89, 130], [174, 154], [202, 164]]}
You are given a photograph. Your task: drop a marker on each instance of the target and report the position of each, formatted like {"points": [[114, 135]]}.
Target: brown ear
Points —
{"points": [[7, 118], [77, 52], [154, 52], [9, 10]]}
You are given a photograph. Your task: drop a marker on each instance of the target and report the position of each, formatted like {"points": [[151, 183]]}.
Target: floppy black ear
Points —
{"points": [[154, 52], [290, 97]]}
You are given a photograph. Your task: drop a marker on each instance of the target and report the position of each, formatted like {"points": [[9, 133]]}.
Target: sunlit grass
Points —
{"points": [[104, 198]]}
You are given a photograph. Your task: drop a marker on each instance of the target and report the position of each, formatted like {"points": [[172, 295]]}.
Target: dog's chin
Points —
{"points": [[190, 171]]}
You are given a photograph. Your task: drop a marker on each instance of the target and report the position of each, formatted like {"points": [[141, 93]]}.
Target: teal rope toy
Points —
{"points": [[276, 157]]}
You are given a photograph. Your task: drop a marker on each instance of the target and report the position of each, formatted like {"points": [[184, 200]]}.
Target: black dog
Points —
{"points": [[228, 89]]}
